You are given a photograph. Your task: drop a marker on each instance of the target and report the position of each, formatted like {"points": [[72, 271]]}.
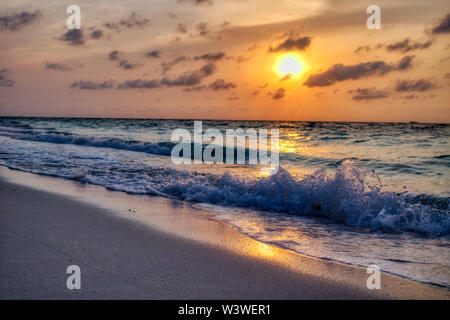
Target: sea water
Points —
{"points": [[358, 193]]}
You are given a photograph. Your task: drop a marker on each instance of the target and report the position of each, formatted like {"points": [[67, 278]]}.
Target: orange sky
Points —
{"points": [[217, 60]]}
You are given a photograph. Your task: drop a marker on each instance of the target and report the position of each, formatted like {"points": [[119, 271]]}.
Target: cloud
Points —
{"points": [[292, 44], [58, 66], [362, 48], [166, 66], [402, 46], [96, 34], [419, 85], [77, 37], [115, 55], [133, 21], [17, 21], [443, 26], [404, 64], [280, 93], [369, 94], [153, 54], [124, 64], [181, 28], [196, 88], [4, 78], [211, 56], [190, 78], [202, 28], [187, 79], [140, 84], [340, 72], [219, 84], [91, 85], [407, 45], [74, 36], [198, 2]]}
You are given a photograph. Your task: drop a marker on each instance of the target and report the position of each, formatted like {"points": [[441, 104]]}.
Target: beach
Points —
{"points": [[140, 247]]}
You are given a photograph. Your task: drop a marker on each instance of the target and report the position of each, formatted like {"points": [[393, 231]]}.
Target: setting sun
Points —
{"points": [[289, 64]]}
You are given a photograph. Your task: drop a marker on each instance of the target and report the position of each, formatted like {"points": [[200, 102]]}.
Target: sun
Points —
{"points": [[288, 64]]}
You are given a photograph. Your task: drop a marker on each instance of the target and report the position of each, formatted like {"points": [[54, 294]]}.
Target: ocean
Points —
{"points": [[357, 193]]}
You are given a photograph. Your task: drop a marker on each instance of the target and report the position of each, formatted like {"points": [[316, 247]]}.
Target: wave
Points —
{"points": [[352, 196], [161, 148]]}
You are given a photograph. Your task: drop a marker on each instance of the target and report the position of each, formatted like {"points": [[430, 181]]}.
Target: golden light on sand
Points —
{"points": [[289, 64]]}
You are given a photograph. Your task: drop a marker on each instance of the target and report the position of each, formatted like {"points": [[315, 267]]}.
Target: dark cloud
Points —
{"points": [[91, 85], [203, 29], [340, 72], [280, 93], [369, 94], [140, 84], [74, 36], [402, 46], [405, 63], [219, 84], [190, 78], [196, 88], [215, 56], [407, 45], [124, 64], [153, 54], [362, 48], [115, 55], [58, 66], [17, 21], [133, 21], [181, 28], [443, 26], [187, 79], [166, 66], [419, 85], [292, 44], [198, 2], [96, 34], [4, 78]]}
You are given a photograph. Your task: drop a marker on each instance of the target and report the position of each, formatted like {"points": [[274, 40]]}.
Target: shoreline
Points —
{"points": [[142, 247]]}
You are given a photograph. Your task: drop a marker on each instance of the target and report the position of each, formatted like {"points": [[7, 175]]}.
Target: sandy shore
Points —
{"points": [[163, 250]]}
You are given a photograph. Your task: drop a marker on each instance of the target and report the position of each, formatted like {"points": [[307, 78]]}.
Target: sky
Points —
{"points": [[221, 59]]}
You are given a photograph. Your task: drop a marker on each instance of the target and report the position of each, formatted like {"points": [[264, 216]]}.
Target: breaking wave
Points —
{"points": [[161, 148]]}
